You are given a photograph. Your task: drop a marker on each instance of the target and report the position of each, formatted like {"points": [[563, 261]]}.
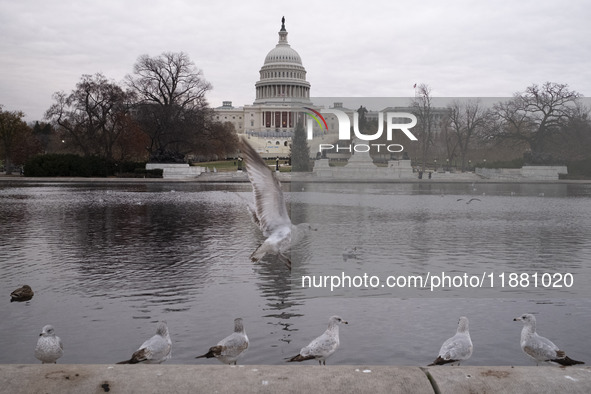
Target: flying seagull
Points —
{"points": [[470, 200], [324, 346], [49, 346], [232, 347], [538, 347], [457, 348], [24, 293], [155, 350], [269, 211]]}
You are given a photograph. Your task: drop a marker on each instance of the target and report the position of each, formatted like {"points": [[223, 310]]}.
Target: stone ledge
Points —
{"points": [[171, 378], [176, 171]]}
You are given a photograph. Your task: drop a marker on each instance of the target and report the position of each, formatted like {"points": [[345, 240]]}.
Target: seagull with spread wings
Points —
{"points": [[269, 211]]}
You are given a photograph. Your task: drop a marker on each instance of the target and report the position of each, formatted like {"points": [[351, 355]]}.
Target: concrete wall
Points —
{"points": [[176, 171], [310, 378], [533, 173], [364, 169]]}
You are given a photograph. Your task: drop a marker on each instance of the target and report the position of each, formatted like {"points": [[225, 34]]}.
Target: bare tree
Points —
{"points": [[574, 141], [171, 92], [217, 140], [467, 120], [93, 115], [422, 109], [449, 140], [534, 116]]}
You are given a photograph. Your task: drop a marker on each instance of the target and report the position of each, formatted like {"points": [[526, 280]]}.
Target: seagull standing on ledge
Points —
{"points": [[324, 346], [538, 347], [155, 350], [457, 348], [49, 346], [229, 349], [269, 211]]}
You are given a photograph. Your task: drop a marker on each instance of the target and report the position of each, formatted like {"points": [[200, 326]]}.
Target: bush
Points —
{"points": [[71, 165], [579, 169], [141, 172], [515, 163]]}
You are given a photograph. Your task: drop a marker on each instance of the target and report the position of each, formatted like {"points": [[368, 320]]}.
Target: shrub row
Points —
{"points": [[579, 169], [89, 166], [515, 163]]}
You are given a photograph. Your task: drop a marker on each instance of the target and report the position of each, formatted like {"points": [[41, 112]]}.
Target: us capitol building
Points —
{"points": [[281, 91]]}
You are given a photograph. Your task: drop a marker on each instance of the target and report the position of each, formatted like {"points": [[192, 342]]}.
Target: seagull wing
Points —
{"points": [[458, 347], [160, 348], [234, 344], [541, 348], [323, 346], [269, 202], [154, 350], [141, 355]]}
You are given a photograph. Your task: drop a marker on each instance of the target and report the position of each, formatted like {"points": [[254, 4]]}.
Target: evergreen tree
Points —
{"points": [[299, 150]]}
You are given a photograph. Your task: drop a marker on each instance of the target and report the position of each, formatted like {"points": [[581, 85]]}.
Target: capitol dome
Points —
{"points": [[283, 53], [282, 77]]}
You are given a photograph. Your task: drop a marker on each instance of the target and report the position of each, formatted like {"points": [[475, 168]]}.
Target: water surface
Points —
{"points": [[107, 261]]}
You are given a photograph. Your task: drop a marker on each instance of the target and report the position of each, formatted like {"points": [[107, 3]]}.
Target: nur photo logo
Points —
{"points": [[393, 121]]}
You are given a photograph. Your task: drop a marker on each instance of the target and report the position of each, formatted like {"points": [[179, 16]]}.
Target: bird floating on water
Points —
{"points": [[539, 348], [457, 348], [155, 350], [24, 293], [350, 253], [49, 346], [324, 346], [232, 347], [270, 211]]}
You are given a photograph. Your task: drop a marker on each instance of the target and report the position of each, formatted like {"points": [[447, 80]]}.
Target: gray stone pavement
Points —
{"points": [[170, 378]]}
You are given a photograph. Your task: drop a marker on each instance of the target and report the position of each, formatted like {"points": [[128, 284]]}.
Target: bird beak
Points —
{"points": [[517, 319], [41, 334], [345, 322]]}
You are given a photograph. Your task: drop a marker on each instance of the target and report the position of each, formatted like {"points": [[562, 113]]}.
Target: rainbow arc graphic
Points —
{"points": [[317, 115]]}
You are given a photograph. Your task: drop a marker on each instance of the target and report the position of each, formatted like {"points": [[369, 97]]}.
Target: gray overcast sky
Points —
{"points": [[349, 48]]}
